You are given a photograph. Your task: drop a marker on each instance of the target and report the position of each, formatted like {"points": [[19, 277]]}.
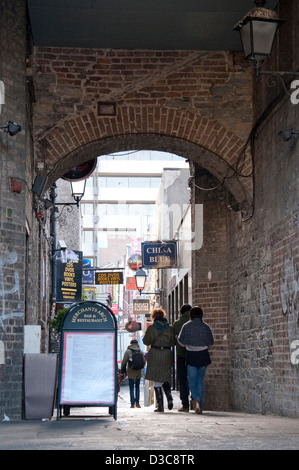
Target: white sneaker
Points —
{"points": [[197, 407]]}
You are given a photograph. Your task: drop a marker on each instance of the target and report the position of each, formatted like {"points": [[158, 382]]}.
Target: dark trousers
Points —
{"points": [[183, 381], [134, 394]]}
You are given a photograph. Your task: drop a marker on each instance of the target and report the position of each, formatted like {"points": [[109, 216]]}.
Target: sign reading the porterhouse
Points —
{"points": [[109, 278]]}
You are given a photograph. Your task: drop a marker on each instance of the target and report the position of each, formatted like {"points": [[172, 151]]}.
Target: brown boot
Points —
{"points": [[184, 410]]}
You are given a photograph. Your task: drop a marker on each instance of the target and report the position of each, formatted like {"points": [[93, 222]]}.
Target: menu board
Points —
{"points": [[88, 370]]}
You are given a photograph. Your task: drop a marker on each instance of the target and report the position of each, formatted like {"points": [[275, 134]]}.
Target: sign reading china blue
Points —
{"points": [[159, 254]]}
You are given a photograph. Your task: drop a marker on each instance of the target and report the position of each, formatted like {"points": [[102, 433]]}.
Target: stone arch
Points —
{"points": [[82, 137]]}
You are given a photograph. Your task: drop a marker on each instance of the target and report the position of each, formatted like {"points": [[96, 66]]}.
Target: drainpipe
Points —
{"points": [[54, 248]]}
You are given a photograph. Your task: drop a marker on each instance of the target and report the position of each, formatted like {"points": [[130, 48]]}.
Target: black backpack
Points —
{"points": [[136, 360]]}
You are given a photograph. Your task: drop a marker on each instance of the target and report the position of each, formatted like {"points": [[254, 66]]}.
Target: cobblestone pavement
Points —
{"points": [[142, 429]]}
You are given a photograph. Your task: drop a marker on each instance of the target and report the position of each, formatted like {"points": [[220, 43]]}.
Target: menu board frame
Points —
{"points": [[88, 358]]}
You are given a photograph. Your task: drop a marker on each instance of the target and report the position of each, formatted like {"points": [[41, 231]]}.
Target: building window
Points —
{"points": [[88, 236]]}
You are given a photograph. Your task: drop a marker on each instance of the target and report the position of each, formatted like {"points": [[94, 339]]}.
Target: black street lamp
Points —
{"points": [[140, 278], [78, 190], [257, 31]]}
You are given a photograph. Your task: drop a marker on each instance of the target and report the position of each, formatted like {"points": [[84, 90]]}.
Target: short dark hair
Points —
{"points": [[185, 308], [196, 312]]}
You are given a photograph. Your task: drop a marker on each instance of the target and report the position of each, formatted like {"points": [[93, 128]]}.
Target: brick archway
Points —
{"points": [[79, 138]]}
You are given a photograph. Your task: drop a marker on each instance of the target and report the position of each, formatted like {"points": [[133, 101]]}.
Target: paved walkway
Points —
{"points": [[142, 429]]}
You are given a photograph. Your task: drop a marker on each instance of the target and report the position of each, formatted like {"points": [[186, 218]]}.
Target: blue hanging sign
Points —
{"points": [[159, 254], [87, 275]]}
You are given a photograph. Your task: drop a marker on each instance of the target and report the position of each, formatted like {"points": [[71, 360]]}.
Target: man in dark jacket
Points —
{"points": [[197, 337], [181, 358]]}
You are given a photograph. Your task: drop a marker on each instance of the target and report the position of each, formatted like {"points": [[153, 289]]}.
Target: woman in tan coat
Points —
{"points": [[160, 336]]}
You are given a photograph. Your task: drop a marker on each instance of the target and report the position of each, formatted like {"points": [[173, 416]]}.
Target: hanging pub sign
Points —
{"points": [[135, 262], [141, 306], [88, 357], [80, 172], [68, 275], [131, 283], [109, 278], [132, 326], [159, 254], [87, 274]]}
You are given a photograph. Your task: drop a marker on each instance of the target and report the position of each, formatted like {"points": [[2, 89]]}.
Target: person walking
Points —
{"points": [[135, 359], [197, 337], [181, 366], [160, 336]]}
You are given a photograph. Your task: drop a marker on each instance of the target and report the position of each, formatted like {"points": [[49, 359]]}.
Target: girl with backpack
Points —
{"points": [[135, 359]]}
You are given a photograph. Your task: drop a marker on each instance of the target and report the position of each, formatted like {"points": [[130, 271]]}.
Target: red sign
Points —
{"points": [[114, 308], [131, 283]]}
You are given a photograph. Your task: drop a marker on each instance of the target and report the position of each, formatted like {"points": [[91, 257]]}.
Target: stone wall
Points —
{"points": [[263, 251], [13, 192]]}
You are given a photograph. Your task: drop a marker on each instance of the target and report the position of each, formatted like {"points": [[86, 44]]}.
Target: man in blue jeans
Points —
{"points": [[197, 337], [195, 378]]}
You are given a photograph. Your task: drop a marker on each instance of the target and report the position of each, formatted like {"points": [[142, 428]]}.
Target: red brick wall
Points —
{"points": [[210, 288], [200, 98]]}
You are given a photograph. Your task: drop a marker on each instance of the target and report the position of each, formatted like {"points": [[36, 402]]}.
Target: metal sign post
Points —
{"points": [[88, 358]]}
